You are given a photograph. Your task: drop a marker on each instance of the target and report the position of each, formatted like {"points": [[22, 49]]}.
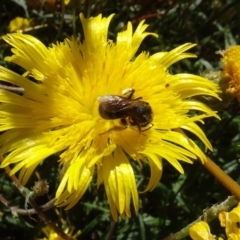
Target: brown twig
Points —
{"points": [[31, 211], [37, 208], [111, 231]]}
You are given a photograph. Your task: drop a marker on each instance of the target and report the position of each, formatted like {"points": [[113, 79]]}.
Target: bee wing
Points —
{"points": [[115, 103]]}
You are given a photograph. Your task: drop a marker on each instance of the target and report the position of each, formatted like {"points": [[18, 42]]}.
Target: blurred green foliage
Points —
{"points": [[178, 199]]}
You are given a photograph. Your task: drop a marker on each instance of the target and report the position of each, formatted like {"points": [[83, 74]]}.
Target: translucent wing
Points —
{"points": [[114, 106]]}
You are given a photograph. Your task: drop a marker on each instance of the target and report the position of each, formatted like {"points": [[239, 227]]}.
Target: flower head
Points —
{"points": [[200, 231], [51, 235], [231, 69], [230, 220], [19, 23], [59, 111]]}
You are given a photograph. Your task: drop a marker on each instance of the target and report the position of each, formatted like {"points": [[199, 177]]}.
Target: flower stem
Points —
{"points": [[223, 178]]}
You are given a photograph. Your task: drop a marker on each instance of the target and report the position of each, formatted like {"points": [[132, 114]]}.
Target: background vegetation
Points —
{"points": [[178, 199]]}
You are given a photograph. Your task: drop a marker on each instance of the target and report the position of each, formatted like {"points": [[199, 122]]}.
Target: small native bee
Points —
{"points": [[133, 112]]}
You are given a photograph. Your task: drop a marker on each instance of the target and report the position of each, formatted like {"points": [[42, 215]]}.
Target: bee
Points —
{"points": [[133, 112]]}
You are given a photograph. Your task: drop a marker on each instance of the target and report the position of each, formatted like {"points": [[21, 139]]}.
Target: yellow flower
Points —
{"points": [[200, 231], [51, 235], [58, 111], [230, 220], [231, 69], [233, 236], [19, 23]]}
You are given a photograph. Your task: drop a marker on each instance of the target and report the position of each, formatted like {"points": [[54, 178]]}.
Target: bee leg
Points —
{"points": [[133, 122], [118, 128], [137, 99], [148, 127], [139, 128], [124, 122]]}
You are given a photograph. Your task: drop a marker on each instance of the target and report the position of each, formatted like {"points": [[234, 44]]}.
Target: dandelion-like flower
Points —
{"points": [[51, 235], [231, 69], [201, 231], [230, 220], [59, 111], [19, 23]]}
